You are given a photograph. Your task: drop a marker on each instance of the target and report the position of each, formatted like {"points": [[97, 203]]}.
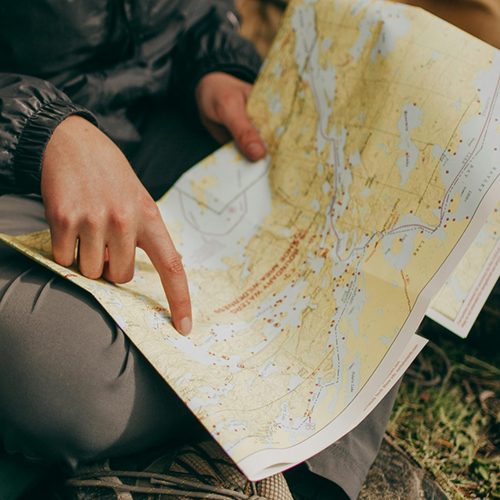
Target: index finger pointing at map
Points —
{"points": [[156, 242]]}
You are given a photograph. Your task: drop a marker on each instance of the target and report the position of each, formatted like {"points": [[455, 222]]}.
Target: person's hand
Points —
{"points": [[91, 194], [222, 102]]}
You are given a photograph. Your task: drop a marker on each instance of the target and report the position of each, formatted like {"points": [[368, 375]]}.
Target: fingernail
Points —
{"points": [[256, 150], [185, 326]]}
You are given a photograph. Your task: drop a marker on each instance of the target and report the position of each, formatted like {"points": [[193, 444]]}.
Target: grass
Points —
{"points": [[447, 415]]}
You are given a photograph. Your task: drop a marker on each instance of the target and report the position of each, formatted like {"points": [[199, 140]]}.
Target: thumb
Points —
{"points": [[234, 117]]}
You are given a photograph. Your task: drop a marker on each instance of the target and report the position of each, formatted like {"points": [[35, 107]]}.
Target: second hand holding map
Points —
{"points": [[311, 270]]}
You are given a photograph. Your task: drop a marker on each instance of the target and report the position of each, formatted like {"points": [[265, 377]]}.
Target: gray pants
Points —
{"points": [[73, 389]]}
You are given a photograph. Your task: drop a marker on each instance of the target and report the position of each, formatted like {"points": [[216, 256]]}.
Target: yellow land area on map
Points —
{"points": [[458, 303], [306, 267]]}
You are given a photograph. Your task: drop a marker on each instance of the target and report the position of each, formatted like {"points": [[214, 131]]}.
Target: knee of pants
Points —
{"points": [[68, 375]]}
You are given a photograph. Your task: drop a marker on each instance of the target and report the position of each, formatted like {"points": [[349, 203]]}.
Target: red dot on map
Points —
{"points": [[449, 150], [461, 140], [447, 171], [449, 210], [479, 113], [453, 220], [454, 154], [467, 217], [445, 225], [414, 103]]}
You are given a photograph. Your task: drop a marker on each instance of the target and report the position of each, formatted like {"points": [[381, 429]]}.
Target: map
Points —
{"points": [[460, 301], [311, 270]]}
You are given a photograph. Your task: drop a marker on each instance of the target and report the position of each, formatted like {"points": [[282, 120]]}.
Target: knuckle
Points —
{"points": [[120, 219], [94, 220], [226, 102], [173, 266], [150, 210], [62, 219]]}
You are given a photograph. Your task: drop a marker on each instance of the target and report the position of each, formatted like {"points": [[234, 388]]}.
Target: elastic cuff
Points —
{"points": [[35, 137]]}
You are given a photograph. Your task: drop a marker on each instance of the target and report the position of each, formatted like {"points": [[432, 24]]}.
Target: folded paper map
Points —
{"points": [[311, 270], [461, 299]]}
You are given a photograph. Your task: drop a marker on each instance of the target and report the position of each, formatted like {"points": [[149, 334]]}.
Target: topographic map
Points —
{"points": [[311, 270], [459, 302]]}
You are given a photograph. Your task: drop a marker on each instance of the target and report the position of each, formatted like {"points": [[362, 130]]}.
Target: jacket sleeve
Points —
{"points": [[213, 44], [30, 110]]}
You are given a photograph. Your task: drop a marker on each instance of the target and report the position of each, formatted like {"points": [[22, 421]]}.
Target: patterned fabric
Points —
{"points": [[192, 472]]}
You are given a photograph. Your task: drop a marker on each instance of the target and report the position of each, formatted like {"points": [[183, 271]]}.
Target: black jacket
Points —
{"points": [[96, 58]]}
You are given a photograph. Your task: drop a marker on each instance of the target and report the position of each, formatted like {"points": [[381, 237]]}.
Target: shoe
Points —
{"points": [[191, 472], [305, 485]]}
